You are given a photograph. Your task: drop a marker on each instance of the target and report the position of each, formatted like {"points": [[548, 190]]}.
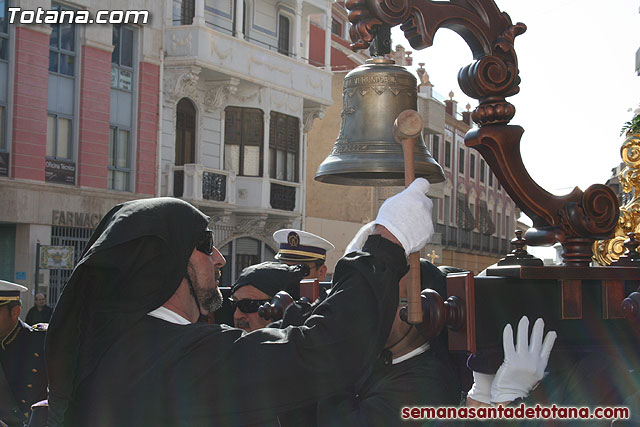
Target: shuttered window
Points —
{"points": [[284, 140], [243, 138]]}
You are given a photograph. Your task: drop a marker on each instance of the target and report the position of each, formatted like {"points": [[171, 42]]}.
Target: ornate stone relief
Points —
{"points": [[181, 45], [309, 116], [181, 82], [218, 92], [261, 227]]}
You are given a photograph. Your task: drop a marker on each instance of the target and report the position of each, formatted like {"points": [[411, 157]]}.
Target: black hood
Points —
{"points": [[134, 262]]}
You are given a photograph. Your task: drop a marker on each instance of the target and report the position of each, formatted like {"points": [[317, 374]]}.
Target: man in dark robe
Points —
{"points": [[123, 350], [409, 372], [257, 285]]}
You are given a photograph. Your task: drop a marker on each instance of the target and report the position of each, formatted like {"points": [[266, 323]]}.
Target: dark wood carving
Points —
{"points": [[575, 220], [437, 313]]}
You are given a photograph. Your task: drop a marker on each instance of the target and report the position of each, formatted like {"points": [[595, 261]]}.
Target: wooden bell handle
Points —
{"points": [[406, 129]]}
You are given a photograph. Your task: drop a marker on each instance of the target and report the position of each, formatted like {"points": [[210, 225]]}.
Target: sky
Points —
{"points": [[579, 86]]}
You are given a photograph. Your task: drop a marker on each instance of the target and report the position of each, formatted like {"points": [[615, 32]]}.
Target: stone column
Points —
{"points": [[198, 17], [297, 32], [239, 19]]}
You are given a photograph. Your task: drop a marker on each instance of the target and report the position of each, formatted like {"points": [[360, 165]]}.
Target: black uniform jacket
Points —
{"points": [[21, 358], [162, 374]]}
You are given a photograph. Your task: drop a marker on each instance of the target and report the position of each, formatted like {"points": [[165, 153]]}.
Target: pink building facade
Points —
{"points": [[79, 107]]}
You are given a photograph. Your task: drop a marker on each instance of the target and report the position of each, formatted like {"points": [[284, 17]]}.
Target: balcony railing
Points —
{"points": [[456, 238], [194, 181], [284, 195]]}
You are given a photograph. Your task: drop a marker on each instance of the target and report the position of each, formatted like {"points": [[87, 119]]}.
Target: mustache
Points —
{"points": [[242, 324]]}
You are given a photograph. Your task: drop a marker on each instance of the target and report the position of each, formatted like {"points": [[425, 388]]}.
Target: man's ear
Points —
{"points": [[322, 272], [15, 312]]}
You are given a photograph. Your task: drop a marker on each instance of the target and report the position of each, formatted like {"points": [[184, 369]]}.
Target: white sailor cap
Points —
{"points": [[298, 245], [10, 292]]}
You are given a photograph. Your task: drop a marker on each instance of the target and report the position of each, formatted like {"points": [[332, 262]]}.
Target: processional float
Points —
{"points": [[592, 308]]}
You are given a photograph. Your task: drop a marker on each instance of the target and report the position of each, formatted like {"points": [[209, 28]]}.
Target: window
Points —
{"points": [[507, 227], [122, 116], [243, 139], [447, 209], [185, 133], [490, 178], [435, 147], [472, 209], [119, 159], [3, 137], [447, 154], [461, 160], [472, 165], [4, 31], [59, 139], [499, 186], [499, 225], [62, 44], [284, 138], [482, 170], [284, 25], [122, 58], [187, 12], [336, 27]]}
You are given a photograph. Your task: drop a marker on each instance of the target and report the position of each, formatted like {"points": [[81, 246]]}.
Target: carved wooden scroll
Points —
{"points": [[577, 219]]}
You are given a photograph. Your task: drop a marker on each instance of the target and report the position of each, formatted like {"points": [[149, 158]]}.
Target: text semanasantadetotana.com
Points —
{"points": [[522, 412]]}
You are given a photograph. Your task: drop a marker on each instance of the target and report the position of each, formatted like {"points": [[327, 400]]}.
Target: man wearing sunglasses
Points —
{"points": [[123, 348], [256, 285]]}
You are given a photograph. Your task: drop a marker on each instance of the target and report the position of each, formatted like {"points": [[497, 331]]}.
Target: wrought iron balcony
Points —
{"points": [[194, 181]]}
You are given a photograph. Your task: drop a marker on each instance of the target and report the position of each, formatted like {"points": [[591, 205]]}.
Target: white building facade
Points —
{"points": [[239, 95]]}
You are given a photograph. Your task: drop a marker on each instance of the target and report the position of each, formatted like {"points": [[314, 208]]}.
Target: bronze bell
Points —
{"points": [[365, 152]]}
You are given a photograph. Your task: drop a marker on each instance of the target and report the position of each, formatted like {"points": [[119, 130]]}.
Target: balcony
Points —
{"points": [[224, 56], [223, 188], [193, 181], [454, 238]]}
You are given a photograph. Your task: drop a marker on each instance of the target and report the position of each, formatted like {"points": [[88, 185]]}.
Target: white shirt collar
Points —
{"points": [[169, 316], [424, 347]]}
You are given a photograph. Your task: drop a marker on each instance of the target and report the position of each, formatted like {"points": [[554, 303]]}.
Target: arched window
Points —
{"points": [[185, 133]]}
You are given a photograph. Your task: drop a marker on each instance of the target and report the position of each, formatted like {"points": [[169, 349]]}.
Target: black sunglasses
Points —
{"points": [[205, 242], [248, 306]]}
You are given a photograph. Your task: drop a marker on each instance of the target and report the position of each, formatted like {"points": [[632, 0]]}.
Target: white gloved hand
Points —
{"points": [[360, 238], [524, 364], [481, 388], [407, 216]]}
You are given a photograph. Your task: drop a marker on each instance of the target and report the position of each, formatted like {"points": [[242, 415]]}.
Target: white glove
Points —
{"points": [[407, 216], [524, 365], [481, 388], [361, 236]]}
